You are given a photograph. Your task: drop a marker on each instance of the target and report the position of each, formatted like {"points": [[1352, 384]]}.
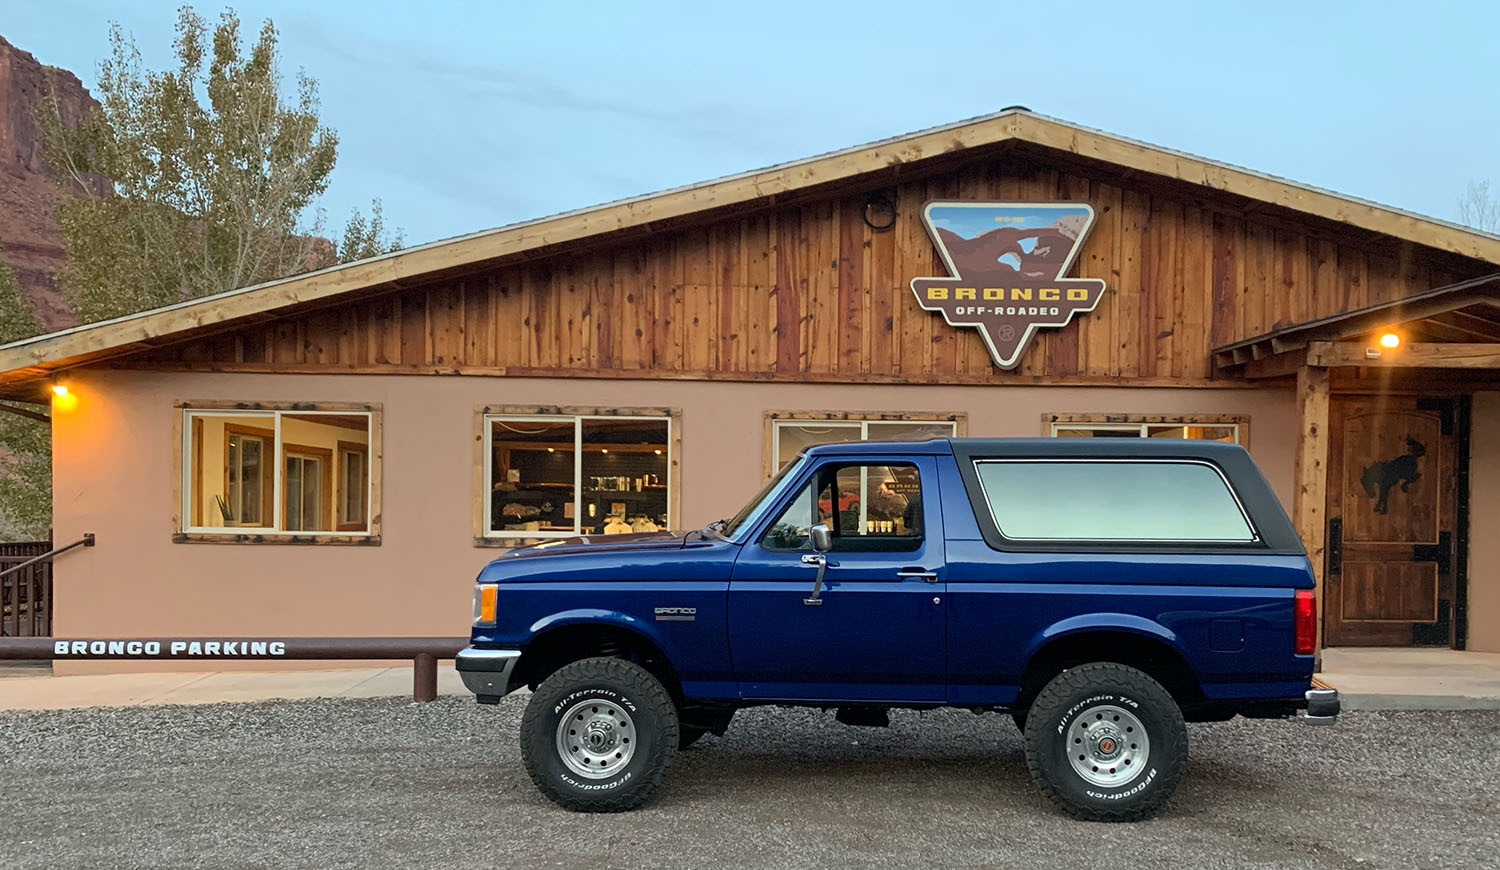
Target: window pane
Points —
{"points": [[911, 430], [1114, 501], [321, 439], [624, 475], [1099, 432], [790, 530], [531, 475], [1205, 433], [792, 437], [229, 478]]}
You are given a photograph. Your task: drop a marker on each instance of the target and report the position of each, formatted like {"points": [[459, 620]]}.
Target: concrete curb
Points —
{"points": [[1417, 702]]}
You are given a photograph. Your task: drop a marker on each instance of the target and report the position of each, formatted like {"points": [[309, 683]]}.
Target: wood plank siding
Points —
{"points": [[808, 291]]}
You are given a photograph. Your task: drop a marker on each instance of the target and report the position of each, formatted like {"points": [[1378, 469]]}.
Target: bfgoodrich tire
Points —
{"points": [[1106, 743], [599, 735]]}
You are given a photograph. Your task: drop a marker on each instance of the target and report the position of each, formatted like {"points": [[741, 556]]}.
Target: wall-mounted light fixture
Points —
{"points": [[1390, 341], [60, 390]]}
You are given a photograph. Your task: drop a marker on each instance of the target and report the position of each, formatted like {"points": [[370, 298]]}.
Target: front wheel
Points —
{"points": [[598, 735], [1106, 743]]}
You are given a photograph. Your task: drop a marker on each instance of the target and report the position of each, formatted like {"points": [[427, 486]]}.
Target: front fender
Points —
{"points": [[596, 617]]}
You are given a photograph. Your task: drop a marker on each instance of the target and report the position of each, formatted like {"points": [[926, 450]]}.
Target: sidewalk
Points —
{"points": [[1413, 678], [37, 689]]}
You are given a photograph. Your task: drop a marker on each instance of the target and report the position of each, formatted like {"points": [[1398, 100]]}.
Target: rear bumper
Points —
{"points": [[1322, 707], [486, 672]]}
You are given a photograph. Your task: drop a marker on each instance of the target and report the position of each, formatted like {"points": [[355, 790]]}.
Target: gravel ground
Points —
{"points": [[356, 783]]}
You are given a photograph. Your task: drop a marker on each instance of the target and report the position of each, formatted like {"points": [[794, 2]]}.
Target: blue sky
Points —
{"points": [[463, 116]]}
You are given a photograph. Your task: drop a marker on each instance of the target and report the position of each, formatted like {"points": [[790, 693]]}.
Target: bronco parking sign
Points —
{"points": [[1008, 260]]}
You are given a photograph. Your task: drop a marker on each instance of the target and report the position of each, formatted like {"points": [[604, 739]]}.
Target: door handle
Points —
{"points": [[929, 576]]}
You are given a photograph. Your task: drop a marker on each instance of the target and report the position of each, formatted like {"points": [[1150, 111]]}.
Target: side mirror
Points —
{"points": [[822, 537]]}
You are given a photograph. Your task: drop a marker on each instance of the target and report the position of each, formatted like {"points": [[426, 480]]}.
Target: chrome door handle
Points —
{"points": [[929, 576]]}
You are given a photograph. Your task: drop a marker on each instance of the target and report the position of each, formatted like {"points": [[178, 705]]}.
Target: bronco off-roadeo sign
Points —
{"points": [[1008, 261]]}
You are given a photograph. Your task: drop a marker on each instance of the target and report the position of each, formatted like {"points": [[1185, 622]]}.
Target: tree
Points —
{"points": [[208, 196], [26, 455], [1478, 209], [367, 238]]}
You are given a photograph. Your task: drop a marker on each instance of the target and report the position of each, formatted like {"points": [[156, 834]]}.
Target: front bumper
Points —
{"points": [[486, 672], [1322, 707]]}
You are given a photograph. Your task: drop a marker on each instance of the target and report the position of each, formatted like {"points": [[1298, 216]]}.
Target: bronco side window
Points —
{"points": [[869, 508]]}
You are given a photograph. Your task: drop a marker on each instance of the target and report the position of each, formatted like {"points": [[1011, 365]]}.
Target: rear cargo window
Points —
{"points": [[1112, 500]]}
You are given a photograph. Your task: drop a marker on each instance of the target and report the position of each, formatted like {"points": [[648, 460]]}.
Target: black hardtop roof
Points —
{"points": [[1081, 448]]}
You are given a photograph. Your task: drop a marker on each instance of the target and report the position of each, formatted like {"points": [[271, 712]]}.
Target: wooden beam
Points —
{"points": [[1310, 475], [1414, 355], [25, 412], [1278, 366]]}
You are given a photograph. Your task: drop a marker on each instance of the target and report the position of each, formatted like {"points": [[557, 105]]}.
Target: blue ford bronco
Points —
{"points": [[1101, 593]]}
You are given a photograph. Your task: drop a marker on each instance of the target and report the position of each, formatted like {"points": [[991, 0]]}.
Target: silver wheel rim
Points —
{"points": [[595, 738], [1108, 746]]}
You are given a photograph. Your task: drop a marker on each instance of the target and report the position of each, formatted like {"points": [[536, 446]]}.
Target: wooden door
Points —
{"points": [[1391, 506]]}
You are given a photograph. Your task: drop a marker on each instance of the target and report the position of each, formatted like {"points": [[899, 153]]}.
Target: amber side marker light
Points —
{"points": [[484, 603]]}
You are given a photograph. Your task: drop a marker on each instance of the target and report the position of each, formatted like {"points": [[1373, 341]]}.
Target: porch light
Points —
{"points": [[1390, 341], [60, 390]]}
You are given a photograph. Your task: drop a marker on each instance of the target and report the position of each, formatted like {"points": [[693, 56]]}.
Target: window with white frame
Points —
{"points": [[1229, 429], [556, 475], [790, 435], [267, 471]]}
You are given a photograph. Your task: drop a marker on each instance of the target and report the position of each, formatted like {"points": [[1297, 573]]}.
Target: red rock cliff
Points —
{"points": [[28, 189]]}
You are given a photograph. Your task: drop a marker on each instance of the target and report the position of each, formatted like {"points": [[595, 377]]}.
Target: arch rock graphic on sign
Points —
{"points": [[1008, 261]]}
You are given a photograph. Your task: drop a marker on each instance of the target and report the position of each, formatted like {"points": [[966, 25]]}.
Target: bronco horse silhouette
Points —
{"points": [[1380, 477]]}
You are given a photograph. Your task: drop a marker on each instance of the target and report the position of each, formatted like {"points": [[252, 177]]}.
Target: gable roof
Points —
{"points": [[36, 358]]}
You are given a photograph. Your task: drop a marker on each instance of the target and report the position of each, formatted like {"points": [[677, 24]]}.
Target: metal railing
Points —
{"points": [[424, 652], [26, 586]]}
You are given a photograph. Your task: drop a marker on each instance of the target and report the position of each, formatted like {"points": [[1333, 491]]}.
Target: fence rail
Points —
{"points": [[424, 652], [25, 594]]}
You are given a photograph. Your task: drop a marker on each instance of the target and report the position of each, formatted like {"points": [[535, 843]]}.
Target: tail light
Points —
{"points": [[1304, 621]]}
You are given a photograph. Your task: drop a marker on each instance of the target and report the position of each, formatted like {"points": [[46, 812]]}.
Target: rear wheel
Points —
{"points": [[1106, 742], [598, 735]]}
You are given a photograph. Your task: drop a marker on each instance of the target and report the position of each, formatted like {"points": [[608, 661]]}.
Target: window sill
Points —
{"points": [[273, 539]]}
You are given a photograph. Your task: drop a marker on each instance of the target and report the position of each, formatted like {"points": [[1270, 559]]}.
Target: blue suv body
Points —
{"points": [[1136, 581]]}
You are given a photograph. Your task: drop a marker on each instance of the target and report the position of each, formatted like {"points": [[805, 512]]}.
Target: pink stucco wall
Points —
{"points": [[113, 460]]}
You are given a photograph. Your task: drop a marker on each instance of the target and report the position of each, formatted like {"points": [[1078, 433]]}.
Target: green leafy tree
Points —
{"points": [[368, 238], [25, 443], [214, 173]]}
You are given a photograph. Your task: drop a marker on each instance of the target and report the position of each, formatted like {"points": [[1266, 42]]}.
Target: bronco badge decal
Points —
{"points": [[1008, 260], [676, 614]]}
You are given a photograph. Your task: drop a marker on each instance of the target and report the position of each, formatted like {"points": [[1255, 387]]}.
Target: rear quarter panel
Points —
{"points": [[1228, 617]]}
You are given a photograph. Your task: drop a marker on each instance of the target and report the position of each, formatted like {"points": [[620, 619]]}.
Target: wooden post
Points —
{"points": [[1310, 487], [424, 678]]}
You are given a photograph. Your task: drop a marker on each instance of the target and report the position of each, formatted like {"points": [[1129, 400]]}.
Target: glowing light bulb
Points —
{"points": [[60, 390], [1390, 340]]}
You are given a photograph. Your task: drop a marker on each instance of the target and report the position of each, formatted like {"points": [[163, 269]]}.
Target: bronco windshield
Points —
{"points": [[739, 519]]}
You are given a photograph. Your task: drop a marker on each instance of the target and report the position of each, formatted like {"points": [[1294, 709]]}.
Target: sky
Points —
{"points": [[463, 116]]}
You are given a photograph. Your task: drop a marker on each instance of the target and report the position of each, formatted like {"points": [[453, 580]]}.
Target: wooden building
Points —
{"points": [[650, 362]]}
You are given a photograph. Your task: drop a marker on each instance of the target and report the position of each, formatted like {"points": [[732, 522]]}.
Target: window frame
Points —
{"points": [[1255, 539], [1052, 422], [774, 420], [484, 459], [342, 450], [187, 479]]}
